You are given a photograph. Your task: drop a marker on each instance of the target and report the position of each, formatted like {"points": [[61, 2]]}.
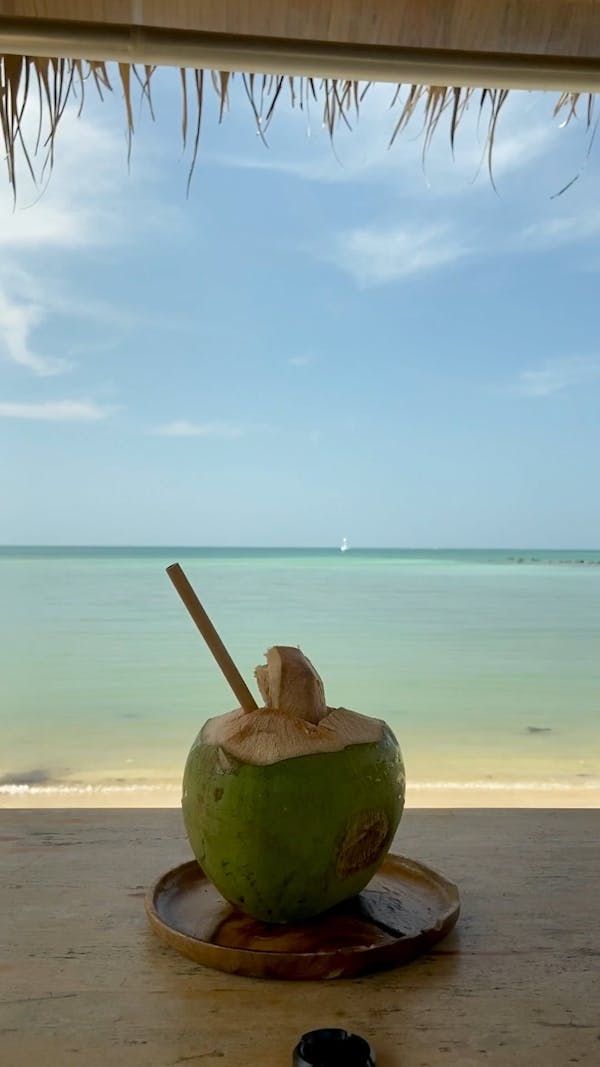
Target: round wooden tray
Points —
{"points": [[404, 910]]}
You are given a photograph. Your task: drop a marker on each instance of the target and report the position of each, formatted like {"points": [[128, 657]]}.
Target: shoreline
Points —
{"points": [[426, 795]]}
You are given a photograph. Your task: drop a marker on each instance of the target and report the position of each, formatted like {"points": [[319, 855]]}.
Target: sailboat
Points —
{"points": [[344, 545]]}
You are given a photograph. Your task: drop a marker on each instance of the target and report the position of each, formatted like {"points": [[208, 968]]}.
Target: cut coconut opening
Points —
{"points": [[296, 720]]}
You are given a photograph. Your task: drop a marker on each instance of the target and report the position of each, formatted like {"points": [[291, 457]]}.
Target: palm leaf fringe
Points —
{"points": [[54, 83]]}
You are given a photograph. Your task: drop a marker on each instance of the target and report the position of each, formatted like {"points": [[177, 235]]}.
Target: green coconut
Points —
{"points": [[290, 809]]}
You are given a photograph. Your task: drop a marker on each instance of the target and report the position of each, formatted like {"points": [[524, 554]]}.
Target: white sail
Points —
{"points": [[344, 545]]}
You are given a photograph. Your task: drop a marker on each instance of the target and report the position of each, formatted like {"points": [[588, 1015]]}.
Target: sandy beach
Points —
{"points": [[466, 796]]}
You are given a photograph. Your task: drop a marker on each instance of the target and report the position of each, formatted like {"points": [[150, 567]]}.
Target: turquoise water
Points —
{"points": [[486, 663]]}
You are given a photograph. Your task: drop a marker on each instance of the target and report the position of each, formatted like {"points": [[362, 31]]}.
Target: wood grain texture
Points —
{"points": [[405, 909], [83, 980], [565, 28], [525, 45]]}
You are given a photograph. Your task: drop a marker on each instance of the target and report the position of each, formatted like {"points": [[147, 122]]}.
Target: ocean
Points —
{"points": [[485, 663]]}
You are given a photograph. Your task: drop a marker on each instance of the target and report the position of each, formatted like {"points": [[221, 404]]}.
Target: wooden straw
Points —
{"points": [[210, 635]]}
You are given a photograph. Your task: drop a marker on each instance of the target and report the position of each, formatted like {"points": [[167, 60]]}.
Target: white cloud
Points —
{"points": [[519, 144], [558, 374], [49, 225], [78, 209], [74, 210], [56, 411], [525, 132], [183, 428], [566, 229], [18, 319], [378, 256]]}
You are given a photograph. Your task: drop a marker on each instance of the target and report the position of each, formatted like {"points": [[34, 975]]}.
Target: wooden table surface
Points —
{"points": [[84, 981]]}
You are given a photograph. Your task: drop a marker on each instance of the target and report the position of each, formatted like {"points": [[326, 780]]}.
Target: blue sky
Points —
{"points": [[311, 345]]}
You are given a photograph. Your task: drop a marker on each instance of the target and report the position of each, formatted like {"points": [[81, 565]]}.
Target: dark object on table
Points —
{"points": [[333, 1048]]}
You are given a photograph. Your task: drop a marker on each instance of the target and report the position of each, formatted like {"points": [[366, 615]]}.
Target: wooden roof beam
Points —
{"points": [[543, 44]]}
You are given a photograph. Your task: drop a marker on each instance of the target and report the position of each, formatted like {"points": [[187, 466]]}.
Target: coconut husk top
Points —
{"points": [[295, 721]]}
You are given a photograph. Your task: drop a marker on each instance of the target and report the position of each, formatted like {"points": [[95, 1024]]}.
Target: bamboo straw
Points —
{"points": [[210, 635]]}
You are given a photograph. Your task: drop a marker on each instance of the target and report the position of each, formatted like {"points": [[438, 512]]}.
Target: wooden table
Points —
{"points": [[84, 981]]}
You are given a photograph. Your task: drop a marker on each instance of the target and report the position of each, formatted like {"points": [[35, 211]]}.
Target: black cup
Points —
{"points": [[333, 1048]]}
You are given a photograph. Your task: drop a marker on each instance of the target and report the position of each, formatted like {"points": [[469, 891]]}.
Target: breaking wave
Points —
{"points": [[510, 787], [16, 789]]}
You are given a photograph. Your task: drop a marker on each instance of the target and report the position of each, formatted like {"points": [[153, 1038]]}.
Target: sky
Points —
{"points": [[315, 343]]}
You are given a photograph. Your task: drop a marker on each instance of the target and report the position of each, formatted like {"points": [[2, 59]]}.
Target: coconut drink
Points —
{"points": [[290, 807]]}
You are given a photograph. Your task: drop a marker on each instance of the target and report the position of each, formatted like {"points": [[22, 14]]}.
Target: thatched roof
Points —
{"points": [[443, 57]]}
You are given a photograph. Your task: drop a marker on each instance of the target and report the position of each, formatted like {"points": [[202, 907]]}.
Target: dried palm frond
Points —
{"points": [[50, 84]]}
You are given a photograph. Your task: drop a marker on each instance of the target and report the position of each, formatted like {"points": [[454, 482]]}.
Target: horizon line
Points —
{"points": [[305, 548]]}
